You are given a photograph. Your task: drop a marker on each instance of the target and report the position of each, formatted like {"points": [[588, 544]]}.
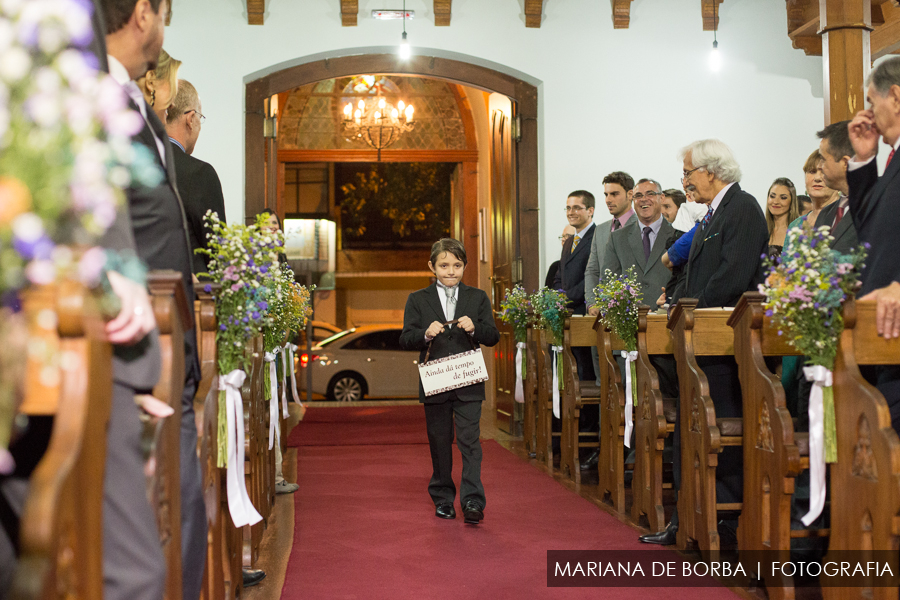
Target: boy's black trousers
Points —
{"points": [[439, 419]]}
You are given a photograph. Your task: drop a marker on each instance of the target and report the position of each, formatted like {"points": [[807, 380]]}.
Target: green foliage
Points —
{"points": [[550, 312], [618, 298], [514, 311]]}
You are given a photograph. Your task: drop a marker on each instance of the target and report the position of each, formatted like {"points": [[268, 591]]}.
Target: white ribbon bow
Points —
{"points": [[239, 504], [274, 430], [629, 357], [556, 352], [520, 389], [291, 349], [284, 368], [820, 377]]}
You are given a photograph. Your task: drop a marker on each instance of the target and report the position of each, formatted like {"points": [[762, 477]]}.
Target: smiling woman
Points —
{"points": [[782, 208]]}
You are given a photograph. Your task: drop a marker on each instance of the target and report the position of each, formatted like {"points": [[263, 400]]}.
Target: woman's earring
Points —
{"points": [[152, 97]]}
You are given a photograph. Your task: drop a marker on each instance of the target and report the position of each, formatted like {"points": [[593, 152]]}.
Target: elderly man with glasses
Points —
{"points": [[724, 262]]}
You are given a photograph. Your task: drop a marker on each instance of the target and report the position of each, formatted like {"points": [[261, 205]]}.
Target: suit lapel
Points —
{"points": [[636, 244], [880, 187], [659, 245], [585, 242], [702, 234], [842, 227], [434, 301]]}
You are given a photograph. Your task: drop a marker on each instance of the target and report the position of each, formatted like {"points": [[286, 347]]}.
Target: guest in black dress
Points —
{"points": [[781, 210]]}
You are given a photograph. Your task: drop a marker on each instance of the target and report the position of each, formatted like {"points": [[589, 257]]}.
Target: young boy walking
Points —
{"points": [[427, 312]]}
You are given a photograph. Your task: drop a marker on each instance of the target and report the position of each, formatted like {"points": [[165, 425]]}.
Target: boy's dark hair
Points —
{"points": [[450, 245], [622, 178], [118, 12], [677, 196], [586, 197], [838, 137]]}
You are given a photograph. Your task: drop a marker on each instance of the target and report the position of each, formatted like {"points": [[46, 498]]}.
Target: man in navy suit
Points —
{"points": [[873, 206], [572, 264], [469, 320]]}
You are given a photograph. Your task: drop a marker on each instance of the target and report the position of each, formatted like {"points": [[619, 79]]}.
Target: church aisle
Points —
{"points": [[365, 526]]}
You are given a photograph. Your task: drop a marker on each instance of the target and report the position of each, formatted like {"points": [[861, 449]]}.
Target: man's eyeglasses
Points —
{"points": [[574, 208], [563, 238], [650, 195], [687, 174], [202, 118]]}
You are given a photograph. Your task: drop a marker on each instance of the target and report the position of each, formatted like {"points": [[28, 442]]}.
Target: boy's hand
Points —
{"points": [[434, 329], [467, 324]]}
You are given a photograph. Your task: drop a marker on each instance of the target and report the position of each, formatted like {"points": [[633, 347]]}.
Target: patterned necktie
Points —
{"points": [[890, 156], [450, 294], [706, 218], [647, 231], [575, 243]]}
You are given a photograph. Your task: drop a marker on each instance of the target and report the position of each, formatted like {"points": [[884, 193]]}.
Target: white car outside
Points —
{"points": [[362, 362]]}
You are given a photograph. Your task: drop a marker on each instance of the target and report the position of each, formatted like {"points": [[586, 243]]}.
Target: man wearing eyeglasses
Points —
{"points": [[198, 182], [572, 263]]}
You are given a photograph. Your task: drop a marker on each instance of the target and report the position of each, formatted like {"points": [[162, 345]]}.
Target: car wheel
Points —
{"points": [[346, 387]]}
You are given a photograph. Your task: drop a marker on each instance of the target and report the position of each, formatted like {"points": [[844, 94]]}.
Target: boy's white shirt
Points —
{"points": [[689, 214]]}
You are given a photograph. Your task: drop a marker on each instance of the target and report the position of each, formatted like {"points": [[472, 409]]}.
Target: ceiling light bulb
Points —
{"points": [[361, 105], [405, 50], [377, 115], [348, 110], [715, 58], [395, 113], [381, 103], [400, 106], [409, 112]]}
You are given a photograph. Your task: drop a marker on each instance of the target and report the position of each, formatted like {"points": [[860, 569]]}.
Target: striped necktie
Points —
{"points": [[575, 243]]}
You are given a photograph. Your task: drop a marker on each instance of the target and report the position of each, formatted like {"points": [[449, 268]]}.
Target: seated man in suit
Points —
{"points": [[724, 262], [198, 182]]}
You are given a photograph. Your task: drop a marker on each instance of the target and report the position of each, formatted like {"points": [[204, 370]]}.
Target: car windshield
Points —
{"points": [[335, 338]]}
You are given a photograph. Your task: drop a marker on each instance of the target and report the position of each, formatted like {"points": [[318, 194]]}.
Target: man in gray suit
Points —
{"points": [[641, 243], [618, 187]]}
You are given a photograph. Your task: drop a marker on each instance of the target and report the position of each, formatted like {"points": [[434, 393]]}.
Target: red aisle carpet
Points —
{"points": [[365, 526]]}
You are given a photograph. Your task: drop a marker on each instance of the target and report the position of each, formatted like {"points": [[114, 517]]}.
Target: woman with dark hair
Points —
{"points": [[781, 210], [272, 224]]}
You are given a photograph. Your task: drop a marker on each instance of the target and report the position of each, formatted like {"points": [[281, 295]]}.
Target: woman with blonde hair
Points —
{"points": [[161, 84], [781, 210]]}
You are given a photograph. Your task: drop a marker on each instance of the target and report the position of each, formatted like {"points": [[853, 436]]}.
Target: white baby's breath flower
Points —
{"points": [[14, 64]]}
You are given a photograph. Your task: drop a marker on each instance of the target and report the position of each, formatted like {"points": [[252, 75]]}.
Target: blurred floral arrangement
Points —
{"points": [[550, 309], [805, 290], [65, 155], [514, 311]]}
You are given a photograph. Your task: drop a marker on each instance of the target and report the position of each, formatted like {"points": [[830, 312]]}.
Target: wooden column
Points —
{"points": [[845, 27]]}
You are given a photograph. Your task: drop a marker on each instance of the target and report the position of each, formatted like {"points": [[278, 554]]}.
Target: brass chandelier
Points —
{"points": [[377, 122]]}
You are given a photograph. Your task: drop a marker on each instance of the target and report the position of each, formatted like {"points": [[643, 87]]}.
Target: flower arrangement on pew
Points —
{"points": [[550, 308], [65, 154], [804, 291], [618, 297], [300, 311], [242, 261], [515, 312]]}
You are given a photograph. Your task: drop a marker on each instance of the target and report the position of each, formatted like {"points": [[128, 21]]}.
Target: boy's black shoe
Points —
{"points": [[445, 511], [472, 512]]}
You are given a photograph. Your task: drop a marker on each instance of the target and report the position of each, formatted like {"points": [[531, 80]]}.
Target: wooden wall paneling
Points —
{"points": [[442, 13], [621, 13], [534, 13], [256, 10], [845, 28], [349, 12]]}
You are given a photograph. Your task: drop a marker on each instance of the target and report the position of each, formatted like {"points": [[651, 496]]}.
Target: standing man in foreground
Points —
{"points": [[134, 38], [873, 206]]}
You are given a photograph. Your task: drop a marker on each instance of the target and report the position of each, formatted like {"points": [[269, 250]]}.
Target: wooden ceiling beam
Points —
{"points": [[803, 26], [442, 12], [885, 39], [534, 13], [256, 10], [710, 11], [621, 13], [349, 12]]}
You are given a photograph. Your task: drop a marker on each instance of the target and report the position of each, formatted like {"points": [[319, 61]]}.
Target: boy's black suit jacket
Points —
{"points": [[200, 190], [424, 307], [725, 259]]}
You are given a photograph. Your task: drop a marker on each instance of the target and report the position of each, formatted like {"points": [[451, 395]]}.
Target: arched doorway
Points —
{"points": [[514, 169]]}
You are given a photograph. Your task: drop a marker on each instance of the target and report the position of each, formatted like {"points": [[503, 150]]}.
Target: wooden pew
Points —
{"points": [[173, 316], [256, 441], [703, 332], [544, 373], [530, 426], [654, 420], [61, 529], [224, 554], [774, 454], [612, 419], [578, 332], [865, 480]]}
